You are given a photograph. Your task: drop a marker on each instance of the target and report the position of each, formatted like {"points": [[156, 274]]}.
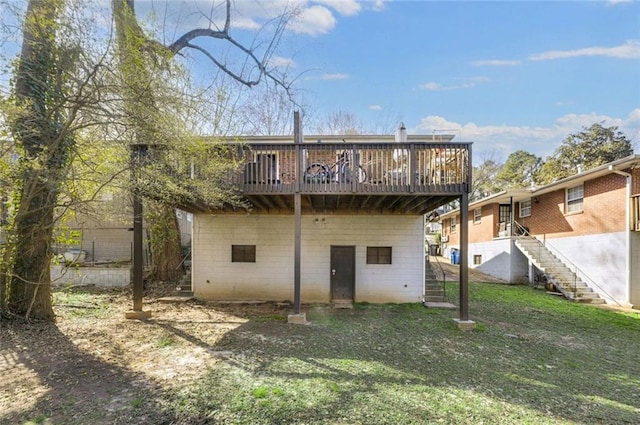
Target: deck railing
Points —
{"points": [[355, 167]]}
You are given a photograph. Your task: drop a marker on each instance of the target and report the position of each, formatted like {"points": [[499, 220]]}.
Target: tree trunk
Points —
{"points": [[165, 242], [140, 103], [37, 129]]}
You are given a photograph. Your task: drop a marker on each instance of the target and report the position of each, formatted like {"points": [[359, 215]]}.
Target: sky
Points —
{"points": [[505, 75]]}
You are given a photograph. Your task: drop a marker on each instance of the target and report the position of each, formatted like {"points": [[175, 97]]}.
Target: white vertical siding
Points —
{"points": [[215, 277]]}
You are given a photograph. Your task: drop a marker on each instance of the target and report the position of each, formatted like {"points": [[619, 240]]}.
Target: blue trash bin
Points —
{"points": [[455, 257]]}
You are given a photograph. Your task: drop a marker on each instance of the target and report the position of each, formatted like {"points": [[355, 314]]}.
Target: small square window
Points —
{"points": [[179, 214], [243, 253], [189, 217], [477, 260], [525, 208], [378, 255], [477, 215]]}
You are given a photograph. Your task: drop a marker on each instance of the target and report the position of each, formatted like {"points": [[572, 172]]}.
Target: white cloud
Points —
{"points": [[564, 103], [281, 62], [343, 7], [628, 50], [465, 84], [314, 20], [378, 5], [375, 107], [496, 62], [329, 77], [617, 2], [335, 76], [504, 139]]}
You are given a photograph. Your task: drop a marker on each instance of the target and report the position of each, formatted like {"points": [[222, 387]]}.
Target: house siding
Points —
{"points": [[501, 259], [634, 290], [271, 278], [484, 230], [601, 257]]}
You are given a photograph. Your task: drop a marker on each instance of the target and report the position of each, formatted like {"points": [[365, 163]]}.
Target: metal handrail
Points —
{"points": [[577, 272], [184, 259]]}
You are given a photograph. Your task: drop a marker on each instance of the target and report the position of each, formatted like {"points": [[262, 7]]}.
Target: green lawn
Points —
{"points": [[532, 359]]}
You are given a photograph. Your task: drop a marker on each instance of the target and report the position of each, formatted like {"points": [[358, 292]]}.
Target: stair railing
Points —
{"points": [[188, 254], [440, 269], [575, 270]]}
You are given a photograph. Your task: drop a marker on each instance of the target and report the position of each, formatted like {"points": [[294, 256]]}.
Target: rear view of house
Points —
{"points": [[330, 219]]}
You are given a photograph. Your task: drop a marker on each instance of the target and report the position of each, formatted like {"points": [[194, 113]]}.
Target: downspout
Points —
{"points": [[627, 228]]}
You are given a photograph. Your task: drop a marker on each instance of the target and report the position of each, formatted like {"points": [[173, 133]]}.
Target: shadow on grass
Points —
{"points": [[535, 361], [54, 379]]}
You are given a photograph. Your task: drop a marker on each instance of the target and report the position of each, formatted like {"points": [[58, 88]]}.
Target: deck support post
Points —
{"points": [[137, 154], [463, 322], [297, 317]]}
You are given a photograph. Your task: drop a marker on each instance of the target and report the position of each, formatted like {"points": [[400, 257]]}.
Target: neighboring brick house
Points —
{"points": [[590, 220], [319, 233]]}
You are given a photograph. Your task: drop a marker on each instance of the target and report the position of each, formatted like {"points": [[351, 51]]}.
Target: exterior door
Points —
{"points": [[343, 272]]}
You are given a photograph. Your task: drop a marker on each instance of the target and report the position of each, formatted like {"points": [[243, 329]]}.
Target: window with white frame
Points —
{"points": [[525, 208], [477, 215], [575, 199], [453, 224]]}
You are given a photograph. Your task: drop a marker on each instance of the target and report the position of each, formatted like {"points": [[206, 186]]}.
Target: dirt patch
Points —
{"points": [[95, 366]]}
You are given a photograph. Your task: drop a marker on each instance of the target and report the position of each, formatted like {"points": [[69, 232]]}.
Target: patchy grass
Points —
{"points": [[532, 359]]}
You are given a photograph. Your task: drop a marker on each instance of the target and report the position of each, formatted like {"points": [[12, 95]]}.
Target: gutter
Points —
{"points": [[628, 228]]}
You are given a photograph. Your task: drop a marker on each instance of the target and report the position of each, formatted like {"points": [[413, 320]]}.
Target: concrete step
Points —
{"points": [[433, 299], [348, 304]]}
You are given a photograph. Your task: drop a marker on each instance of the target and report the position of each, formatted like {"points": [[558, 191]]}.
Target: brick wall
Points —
{"points": [[603, 210]]}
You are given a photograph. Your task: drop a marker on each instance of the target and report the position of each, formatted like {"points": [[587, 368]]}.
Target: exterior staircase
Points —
{"points": [[559, 274], [184, 287], [433, 288]]}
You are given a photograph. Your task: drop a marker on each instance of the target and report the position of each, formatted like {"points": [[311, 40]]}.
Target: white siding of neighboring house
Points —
{"points": [[602, 257], [501, 259], [215, 277]]}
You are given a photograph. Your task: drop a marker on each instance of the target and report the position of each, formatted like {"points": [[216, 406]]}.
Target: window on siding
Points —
{"points": [[378, 255], [477, 259], [525, 208], [453, 224], [575, 198], [243, 253], [477, 215]]}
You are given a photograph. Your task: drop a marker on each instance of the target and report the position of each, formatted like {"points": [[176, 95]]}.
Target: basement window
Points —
{"points": [[378, 255], [477, 259], [243, 253]]}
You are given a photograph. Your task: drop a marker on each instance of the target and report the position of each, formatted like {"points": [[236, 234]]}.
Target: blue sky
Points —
{"points": [[505, 75]]}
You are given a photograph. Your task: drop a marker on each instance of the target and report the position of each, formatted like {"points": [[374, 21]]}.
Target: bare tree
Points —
{"points": [[140, 57]]}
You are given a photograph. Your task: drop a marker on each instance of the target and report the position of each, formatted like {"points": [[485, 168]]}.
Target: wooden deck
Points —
{"points": [[354, 176]]}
